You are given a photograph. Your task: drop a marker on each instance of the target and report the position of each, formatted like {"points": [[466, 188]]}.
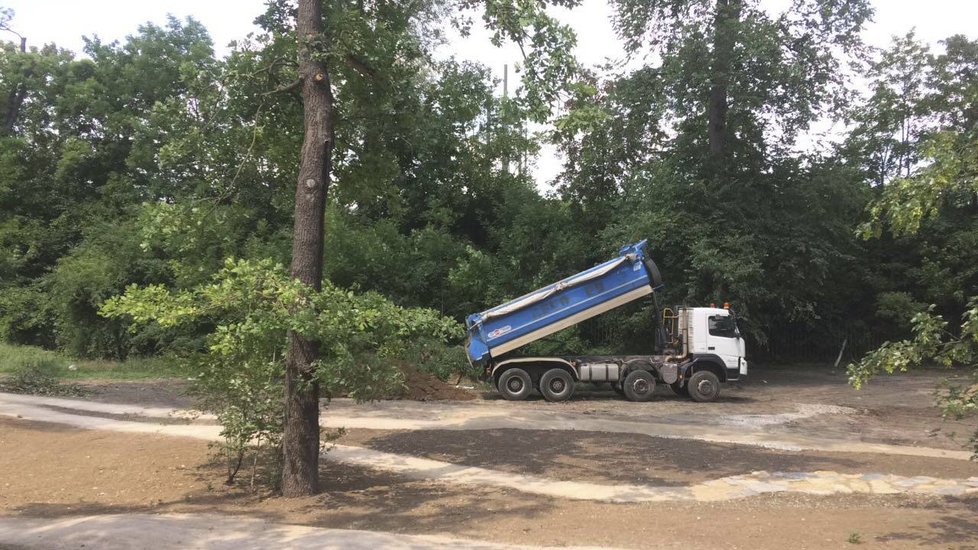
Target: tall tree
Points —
{"points": [[300, 441], [546, 44], [697, 151], [15, 97], [725, 26], [938, 197], [889, 126], [742, 82]]}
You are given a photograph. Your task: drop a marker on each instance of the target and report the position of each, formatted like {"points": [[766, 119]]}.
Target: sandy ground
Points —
{"points": [[616, 458], [51, 472], [137, 473]]}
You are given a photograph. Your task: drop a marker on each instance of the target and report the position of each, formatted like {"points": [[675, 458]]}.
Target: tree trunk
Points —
{"points": [[300, 441], [16, 98], [724, 41]]}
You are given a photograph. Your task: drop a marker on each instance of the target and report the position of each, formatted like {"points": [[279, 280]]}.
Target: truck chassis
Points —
{"points": [[634, 376]]}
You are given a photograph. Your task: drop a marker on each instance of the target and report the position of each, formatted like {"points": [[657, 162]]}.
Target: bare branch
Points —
{"points": [[360, 66], [294, 85]]}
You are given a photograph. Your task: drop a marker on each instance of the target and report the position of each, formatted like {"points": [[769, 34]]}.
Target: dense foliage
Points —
{"points": [[932, 200], [149, 162]]}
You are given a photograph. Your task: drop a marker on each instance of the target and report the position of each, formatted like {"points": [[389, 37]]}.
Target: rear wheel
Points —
{"points": [[515, 384], [639, 385], [703, 386], [557, 385]]}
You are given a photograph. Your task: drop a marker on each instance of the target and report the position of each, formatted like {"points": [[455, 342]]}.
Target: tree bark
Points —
{"points": [[300, 441], [725, 25]]}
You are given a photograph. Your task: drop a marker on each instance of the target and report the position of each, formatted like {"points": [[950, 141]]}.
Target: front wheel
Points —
{"points": [[703, 386], [515, 384], [639, 385], [556, 385]]}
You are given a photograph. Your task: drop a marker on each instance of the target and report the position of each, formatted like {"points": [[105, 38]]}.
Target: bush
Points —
{"points": [[441, 360]]}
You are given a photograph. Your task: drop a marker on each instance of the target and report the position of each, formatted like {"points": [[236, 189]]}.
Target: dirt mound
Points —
{"points": [[422, 386]]}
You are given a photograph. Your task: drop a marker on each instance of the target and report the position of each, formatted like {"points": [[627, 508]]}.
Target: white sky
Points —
{"points": [[64, 22]]}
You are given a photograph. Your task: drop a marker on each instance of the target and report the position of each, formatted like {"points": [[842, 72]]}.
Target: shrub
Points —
{"points": [[441, 360]]}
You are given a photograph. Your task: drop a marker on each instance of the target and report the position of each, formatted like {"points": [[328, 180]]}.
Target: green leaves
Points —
{"points": [[546, 44], [923, 128], [253, 304], [152, 303], [926, 164], [949, 178]]}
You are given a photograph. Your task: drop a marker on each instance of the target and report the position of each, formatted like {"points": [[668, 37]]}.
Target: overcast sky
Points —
{"points": [[64, 22]]}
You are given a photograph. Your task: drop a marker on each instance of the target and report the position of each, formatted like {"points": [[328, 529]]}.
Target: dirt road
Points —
{"points": [[807, 464]]}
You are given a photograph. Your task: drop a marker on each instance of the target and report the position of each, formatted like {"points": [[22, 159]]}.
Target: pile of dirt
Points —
{"points": [[423, 386]]}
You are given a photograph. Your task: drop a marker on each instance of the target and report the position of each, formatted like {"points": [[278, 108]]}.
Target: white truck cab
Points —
{"points": [[713, 331]]}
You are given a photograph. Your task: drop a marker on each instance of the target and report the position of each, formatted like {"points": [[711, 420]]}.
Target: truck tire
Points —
{"points": [[557, 385], [515, 384], [679, 389], [639, 386], [703, 386]]}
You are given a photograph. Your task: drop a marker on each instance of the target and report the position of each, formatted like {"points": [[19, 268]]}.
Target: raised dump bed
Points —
{"points": [[496, 331]]}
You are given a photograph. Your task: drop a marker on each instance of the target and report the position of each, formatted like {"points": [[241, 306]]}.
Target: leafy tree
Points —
{"points": [[738, 80], [892, 122], [342, 34], [251, 306], [77, 160], [695, 151], [942, 188]]}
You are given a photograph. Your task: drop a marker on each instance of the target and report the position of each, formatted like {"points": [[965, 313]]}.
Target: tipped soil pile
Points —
{"points": [[422, 386]]}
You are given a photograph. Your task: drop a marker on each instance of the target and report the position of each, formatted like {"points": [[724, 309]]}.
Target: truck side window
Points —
{"points": [[723, 326]]}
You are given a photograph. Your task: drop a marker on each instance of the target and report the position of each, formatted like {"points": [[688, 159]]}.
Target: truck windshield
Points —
{"points": [[724, 327]]}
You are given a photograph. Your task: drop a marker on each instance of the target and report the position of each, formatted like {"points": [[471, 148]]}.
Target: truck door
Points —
{"points": [[723, 339]]}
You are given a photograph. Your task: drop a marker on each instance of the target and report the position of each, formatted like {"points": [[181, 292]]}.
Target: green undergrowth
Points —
{"points": [[20, 360]]}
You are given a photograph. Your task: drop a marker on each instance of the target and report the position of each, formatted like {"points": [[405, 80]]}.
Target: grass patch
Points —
{"points": [[13, 359], [38, 377]]}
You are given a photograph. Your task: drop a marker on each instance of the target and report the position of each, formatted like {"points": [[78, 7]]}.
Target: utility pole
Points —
{"points": [[503, 112]]}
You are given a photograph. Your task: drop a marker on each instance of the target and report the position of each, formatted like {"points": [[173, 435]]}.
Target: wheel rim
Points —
{"points": [[705, 387], [640, 386], [514, 385], [557, 385]]}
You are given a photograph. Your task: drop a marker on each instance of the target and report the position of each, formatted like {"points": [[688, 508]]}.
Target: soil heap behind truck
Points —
{"points": [[696, 348]]}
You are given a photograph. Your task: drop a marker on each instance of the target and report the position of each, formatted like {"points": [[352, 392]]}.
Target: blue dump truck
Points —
{"points": [[696, 348]]}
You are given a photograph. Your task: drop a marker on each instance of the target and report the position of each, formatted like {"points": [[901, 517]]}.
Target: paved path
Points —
{"points": [[485, 415], [725, 488], [71, 412], [123, 532], [737, 429]]}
